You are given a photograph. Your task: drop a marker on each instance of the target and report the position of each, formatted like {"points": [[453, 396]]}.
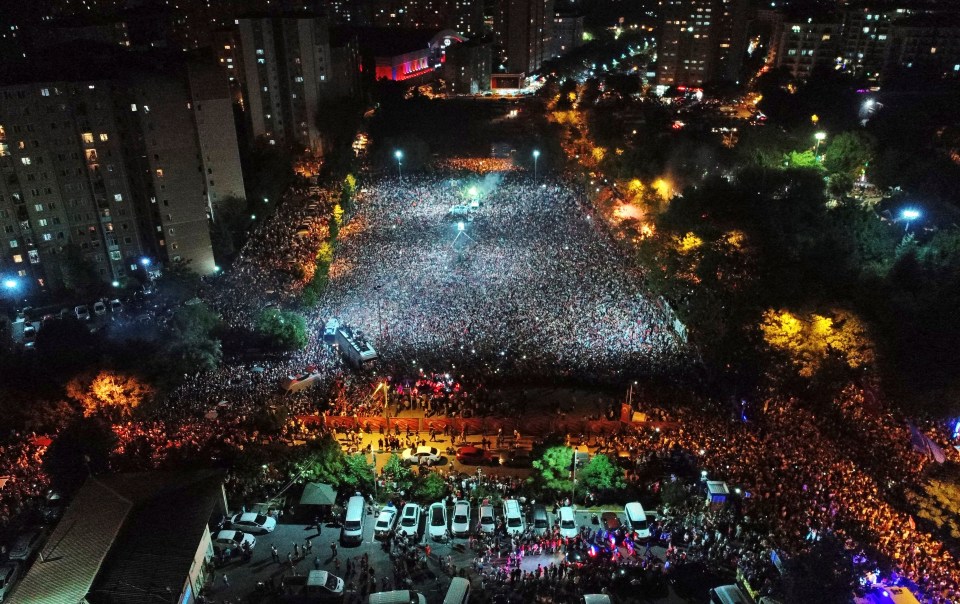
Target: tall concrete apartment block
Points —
{"points": [[120, 159], [523, 30], [66, 190], [700, 41], [286, 62]]}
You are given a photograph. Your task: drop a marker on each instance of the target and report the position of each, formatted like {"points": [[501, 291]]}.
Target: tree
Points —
{"points": [[109, 393], [848, 153], [81, 449], [79, 274], [358, 474], [283, 329], [322, 460], [823, 574], [809, 339], [66, 346], [552, 470], [431, 487], [601, 474], [179, 282], [398, 476], [801, 159]]}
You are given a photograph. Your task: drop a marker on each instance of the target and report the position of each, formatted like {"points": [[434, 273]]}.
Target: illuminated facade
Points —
{"points": [[700, 41], [523, 31]]}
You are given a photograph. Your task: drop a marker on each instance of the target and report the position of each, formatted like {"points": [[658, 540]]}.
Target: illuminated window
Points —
{"points": [[34, 256], [88, 137], [17, 258], [44, 92], [25, 161], [103, 137], [14, 244], [159, 172]]}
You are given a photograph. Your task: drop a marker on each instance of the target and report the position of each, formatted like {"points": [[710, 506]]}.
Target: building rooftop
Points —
{"points": [[109, 546]]}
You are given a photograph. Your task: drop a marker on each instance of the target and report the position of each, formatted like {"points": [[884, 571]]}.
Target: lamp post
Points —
{"points": [[820, 136], [909, 215], [536, 156], [399, 155]]}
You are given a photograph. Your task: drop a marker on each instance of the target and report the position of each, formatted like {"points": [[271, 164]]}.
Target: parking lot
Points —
{"points": [[243, 577]]}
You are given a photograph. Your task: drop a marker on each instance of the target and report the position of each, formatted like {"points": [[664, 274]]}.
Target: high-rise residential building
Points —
{"points": [[700, 41], [106, 158], [567, 33], [467, 67], [928, 43], [803, 45], [523, 31], [287, 69]]}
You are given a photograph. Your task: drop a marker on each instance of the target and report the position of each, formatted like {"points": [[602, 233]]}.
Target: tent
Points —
{"points": [[318, 493], [717, 491]]}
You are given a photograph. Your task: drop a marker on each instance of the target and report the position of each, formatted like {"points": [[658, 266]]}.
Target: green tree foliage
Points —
{"points": [[848, 153], [323, 460], [429, 488], [191, 344], [801, 159], [282, 329], [358, 472], [601, 474], [553, 470], [396, 473]]}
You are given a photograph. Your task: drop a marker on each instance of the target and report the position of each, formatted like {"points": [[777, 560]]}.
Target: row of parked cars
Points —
{"points": [[23, 549], [236, 536]]}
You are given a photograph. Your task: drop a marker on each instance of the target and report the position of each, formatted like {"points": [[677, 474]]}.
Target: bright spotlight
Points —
{"points": [[460, 226], [145, 261], [398, 154], [10, 283], [473, 191], [910, 214], [820, 136], [116, 284]]}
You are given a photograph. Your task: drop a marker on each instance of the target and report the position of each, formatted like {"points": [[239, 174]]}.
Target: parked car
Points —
{"points": [[82, 312], [9, 573], [461, 519], [568, 525], [539, 521], [385, 522], [513, 517], [517, 458], [488, 523], [474, 456], [437, 521], [99, 308], [235, 539], [315, 586], [26, 544], [637, 519], [52, 507], [29, 335], [410, 520], [421, 455], [253, 523], [116, 305]]}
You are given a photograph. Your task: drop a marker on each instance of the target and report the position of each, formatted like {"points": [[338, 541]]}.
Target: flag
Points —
{"points": [[923, 444]]}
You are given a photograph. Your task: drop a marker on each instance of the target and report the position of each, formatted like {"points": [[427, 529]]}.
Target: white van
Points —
{"points": [[637, 519], [400, 596], [568, 525], [729, 594], [458, 592], [352, 531], [513, 517]]}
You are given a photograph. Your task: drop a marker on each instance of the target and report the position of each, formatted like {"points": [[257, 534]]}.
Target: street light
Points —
{"points": [[145, 261], [536, 156], [10, 284], [909, 215], [819, 136], [399, 155], [115, 283]]}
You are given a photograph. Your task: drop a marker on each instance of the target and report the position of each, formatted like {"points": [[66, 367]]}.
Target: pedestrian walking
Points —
{"points": [[226, 581], [307, 547], [274, 554], [316, 562]]}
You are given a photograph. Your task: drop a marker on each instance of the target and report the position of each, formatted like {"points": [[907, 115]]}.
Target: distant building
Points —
{"points": [[131, 155], [929, 43], [287, 69], [108, 548], [467, 67], [700, 41], [523, 31], [412, 56], [567, 33], [803, 45]]}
